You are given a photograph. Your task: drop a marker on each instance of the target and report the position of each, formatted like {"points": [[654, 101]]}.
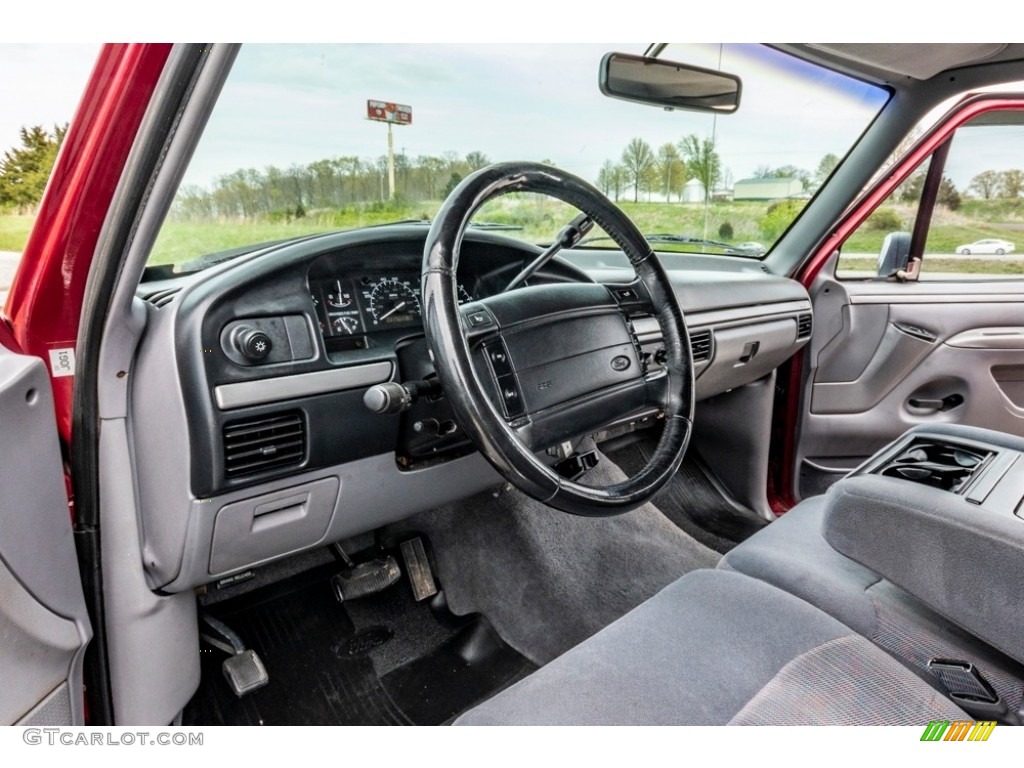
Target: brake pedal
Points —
{"points": [[365, 578], [418, 567], [243, 669], [245, 672]]}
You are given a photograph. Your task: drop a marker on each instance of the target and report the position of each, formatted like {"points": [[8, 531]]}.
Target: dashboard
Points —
{"points": [[252, 438]]}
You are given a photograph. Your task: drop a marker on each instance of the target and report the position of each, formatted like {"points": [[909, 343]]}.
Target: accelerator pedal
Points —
{"points": [[243, 669], [360, 580], [421, 577]]}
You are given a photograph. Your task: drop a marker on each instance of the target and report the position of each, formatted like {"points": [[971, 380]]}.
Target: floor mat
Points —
{"points": [[691, 501], [548, 580], [379, 660]]}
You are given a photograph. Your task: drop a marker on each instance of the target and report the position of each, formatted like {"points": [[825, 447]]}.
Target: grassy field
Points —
{"points": [[538, 219], [938, 264], [14, 231], [974, 220]]}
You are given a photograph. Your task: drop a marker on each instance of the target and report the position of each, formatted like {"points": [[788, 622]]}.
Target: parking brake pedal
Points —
{"points": [[243, 669], [365, 578]]}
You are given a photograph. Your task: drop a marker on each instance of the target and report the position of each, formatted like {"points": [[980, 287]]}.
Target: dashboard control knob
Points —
{"points": [[387, 398], [252, 343], [391, 397]]}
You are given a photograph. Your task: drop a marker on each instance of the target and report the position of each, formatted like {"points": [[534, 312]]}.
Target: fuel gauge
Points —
{"points": [[344, 325]]}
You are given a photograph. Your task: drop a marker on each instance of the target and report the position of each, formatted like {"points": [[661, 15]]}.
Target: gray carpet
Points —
{"points": [[691, 500], [548, 580]]}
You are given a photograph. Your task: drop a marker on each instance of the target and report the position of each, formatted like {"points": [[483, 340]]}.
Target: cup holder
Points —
{"points": [[940, 465]]}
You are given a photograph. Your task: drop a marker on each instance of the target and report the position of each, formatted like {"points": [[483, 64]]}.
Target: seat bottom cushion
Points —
{"points": [[793, 555], [716, 648]]}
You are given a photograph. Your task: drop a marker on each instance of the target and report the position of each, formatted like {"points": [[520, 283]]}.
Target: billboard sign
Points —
{"points": [[388, 112]]}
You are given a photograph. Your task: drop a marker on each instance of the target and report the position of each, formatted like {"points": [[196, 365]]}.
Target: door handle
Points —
{"points": [[917, 332], [947, 403]]}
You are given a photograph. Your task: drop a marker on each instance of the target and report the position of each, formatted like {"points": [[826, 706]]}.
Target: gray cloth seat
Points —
{"points": [[717, 648], [793, 555]]}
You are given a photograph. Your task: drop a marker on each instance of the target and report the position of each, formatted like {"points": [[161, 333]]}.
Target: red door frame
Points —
{"points": [[45, 302]]}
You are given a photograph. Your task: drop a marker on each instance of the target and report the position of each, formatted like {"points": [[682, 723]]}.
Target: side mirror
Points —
{"points": [[668, 84], [894, 257]]}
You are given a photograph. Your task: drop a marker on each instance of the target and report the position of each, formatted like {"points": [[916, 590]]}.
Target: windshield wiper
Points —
{"points": [[571, 235], [664, 237]]}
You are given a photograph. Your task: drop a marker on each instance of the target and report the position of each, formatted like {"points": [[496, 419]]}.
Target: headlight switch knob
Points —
{"points": [[252, 343]]}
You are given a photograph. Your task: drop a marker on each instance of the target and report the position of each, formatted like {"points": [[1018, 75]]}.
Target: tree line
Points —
{"points": [[328, 183], [666, 171], [337, 182], [998, 184]]}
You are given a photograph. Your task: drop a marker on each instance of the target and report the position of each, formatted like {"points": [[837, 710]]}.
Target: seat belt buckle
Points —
{"points": [[968, 689], [963, 681]]}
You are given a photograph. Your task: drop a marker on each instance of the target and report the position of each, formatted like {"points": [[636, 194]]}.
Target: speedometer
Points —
{"points": [[394, 302]]}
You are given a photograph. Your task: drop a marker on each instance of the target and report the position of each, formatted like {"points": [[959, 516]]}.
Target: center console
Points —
{"points": [[982, 473], [939, 513]]}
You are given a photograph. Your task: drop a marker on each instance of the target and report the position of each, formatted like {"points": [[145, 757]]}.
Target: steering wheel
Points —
{"points": [[531, 368]]}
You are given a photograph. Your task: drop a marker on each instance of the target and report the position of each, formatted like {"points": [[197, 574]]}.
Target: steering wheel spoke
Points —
{"points": [[633, 298], [531, 368]]}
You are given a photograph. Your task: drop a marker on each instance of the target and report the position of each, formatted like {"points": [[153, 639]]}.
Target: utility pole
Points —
{"points": [[391, 164], [392, 114]]}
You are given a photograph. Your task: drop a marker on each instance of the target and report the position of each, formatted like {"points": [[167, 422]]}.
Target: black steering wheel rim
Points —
{"points": [[452, 357]]}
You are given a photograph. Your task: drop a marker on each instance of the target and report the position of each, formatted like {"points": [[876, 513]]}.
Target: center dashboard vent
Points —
{"points": [[700, 344], [268, 442]]}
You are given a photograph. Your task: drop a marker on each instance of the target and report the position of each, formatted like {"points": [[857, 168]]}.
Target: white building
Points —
{"points": [[693, 191], [767, 189]]}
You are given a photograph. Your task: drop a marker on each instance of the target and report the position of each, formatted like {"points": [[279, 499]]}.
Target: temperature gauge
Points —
{"points": [[339, 296]]}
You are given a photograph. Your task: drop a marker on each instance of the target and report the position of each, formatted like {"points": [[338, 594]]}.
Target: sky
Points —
{"points": [[42, 84], [463, 97], [284, 105]]}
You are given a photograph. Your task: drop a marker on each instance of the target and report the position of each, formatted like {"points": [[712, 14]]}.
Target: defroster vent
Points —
{"points": [[162, 297], [700, 344], [269, 442]]}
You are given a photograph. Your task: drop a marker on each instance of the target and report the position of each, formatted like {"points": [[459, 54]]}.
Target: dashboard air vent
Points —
{"points": [[700, 343], [269, 442], [803, 327], [162, 298]]}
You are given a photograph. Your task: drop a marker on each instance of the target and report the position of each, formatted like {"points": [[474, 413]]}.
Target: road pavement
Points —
{"points": [[8, 264]]}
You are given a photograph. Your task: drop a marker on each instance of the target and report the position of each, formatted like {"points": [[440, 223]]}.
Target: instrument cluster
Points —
{"points": [[352, 307]]}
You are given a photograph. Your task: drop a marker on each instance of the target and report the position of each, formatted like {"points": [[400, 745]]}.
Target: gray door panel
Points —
{"points": [[889, 356], [43, 622]]}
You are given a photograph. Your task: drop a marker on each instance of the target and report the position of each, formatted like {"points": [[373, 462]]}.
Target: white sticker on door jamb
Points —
{"points": [[62, 361]]}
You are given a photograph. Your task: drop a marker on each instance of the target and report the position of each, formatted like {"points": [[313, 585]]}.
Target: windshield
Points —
{"points": [[300, 139]]}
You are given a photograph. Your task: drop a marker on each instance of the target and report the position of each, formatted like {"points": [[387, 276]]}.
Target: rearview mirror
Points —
{"points": [[668, 84]]}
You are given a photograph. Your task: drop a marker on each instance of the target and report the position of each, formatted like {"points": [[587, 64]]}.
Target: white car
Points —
{"points": [[998, 247]]}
